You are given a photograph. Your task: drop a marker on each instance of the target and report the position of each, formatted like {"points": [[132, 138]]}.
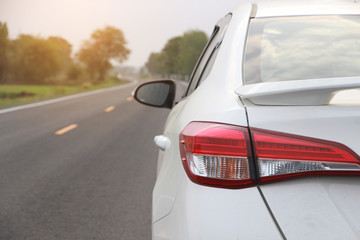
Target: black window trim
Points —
{"points": [[215, 31]]}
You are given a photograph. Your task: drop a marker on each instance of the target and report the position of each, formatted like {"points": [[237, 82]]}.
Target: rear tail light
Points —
{"points": [[282, 156], [220, 155], [217, 154]]}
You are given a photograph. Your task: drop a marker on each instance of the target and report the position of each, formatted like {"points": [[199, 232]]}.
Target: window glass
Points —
{"points": [[298, 48]]}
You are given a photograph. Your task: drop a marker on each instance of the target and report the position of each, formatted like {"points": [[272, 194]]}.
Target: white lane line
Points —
{"points": [[60, 99], [66, 129]]}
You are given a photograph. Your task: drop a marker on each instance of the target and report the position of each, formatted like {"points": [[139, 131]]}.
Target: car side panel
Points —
{"points": [[211, 213], [214, 100]]}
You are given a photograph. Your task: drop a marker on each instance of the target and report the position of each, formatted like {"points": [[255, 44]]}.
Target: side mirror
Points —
{"points": [[157, 94]]}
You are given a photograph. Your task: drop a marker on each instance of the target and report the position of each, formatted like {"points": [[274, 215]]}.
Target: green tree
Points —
{"points": [[34, 59], [3, 50], [170, 55], [155, 64], [74, 71], [105, 45], [191, 46], [179, 54], [63, 52]]}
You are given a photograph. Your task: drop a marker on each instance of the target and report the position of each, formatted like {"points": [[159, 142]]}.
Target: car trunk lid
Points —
{"points": [[318, 207]]}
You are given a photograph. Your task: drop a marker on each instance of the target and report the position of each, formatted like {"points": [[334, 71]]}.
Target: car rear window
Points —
{"points": [[298, 48]]}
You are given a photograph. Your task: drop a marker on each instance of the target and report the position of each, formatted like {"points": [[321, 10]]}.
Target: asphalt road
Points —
{"points": [[92, 182]]}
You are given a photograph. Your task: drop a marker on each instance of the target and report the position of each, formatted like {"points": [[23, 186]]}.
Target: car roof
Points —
{"points": [[282, 8]]}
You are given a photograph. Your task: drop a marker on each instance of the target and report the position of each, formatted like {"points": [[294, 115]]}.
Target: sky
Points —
{"points": [[147, 24]]}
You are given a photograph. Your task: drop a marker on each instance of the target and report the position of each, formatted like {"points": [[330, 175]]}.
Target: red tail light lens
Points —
{"points": [[220, 155], [281, 156], [217, 154]]}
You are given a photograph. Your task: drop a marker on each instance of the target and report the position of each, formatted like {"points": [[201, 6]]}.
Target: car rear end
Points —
{"points": [[310, 135], [262, 149]]}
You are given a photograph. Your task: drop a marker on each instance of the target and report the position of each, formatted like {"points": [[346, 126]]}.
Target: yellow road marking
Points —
{"points": [[66, 129], [129, 99], [109, 109]]}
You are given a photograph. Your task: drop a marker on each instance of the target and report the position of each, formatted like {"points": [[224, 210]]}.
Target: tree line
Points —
{"points": [[32, 59], [37, 60], [179, 54]]}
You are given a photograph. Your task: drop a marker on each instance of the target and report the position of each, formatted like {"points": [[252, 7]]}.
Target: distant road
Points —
{"points": [[82, 168]]}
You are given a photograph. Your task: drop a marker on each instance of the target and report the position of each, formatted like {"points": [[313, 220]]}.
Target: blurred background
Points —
{"points": [[88, 44], [77, 158]]}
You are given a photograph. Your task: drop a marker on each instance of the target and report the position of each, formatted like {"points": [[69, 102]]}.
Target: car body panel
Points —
{"points": [[212, 213], [229, 109], [222, 105], [314, 207], [346, 98], [333, 123]]}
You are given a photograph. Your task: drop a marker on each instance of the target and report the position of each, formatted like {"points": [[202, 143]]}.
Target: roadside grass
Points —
{"points": [[19, 94]]}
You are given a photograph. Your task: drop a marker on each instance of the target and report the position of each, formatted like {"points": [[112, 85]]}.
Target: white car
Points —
{"points": [[261, 146]]}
